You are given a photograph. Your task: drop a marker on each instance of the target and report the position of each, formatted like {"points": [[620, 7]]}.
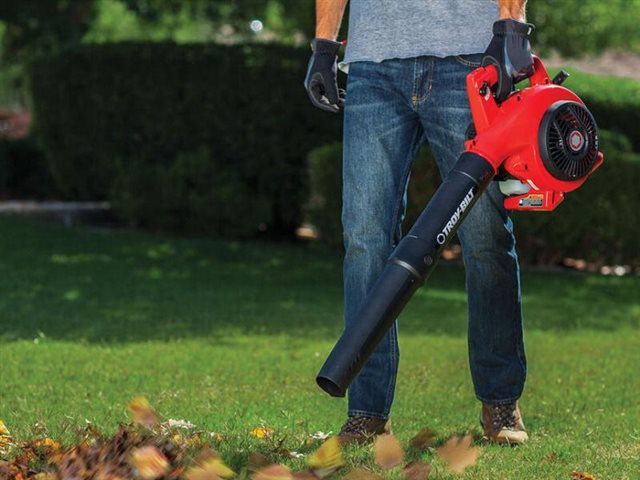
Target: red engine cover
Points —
{"points": [[507, 134]]}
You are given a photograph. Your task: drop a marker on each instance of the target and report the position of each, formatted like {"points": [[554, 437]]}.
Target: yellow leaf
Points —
{"points": [[149, 462], [3, 429], [388, 452], [326, 459], [211, 469], [142, 412], [261, 432], [458, 453], [273, 472]]}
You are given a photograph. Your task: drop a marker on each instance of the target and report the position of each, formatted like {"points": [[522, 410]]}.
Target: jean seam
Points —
{"points": [[428, 82], [416, 84], [466, 62], [506, 401], [394, 365], [365, 413]]}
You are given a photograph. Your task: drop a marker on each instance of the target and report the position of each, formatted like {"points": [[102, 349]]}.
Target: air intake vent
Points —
{"points": [[568, 140]]}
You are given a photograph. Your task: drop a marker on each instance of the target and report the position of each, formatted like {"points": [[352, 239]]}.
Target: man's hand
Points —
{"points": [[510, 52], [321, 81]]}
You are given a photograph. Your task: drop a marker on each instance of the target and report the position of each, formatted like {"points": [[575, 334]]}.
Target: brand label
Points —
{"points": [[441, 238]]}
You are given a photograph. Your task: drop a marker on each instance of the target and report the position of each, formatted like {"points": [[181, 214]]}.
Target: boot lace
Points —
{"points": [[357, 425], [503, 416]]}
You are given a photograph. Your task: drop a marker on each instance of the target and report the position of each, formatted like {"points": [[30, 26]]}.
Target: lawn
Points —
{"points": [[229, 335]]}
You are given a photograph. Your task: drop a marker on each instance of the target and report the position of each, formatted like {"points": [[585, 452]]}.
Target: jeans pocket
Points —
{"points": [[468, 60]]}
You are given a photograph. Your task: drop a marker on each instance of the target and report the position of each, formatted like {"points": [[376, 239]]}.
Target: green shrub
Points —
{"points": [[595, 222], [117, 120], [197, 193], [24, 172]]}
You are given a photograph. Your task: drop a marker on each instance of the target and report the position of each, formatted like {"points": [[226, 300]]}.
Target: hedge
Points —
{"points": [[24, 173], [127, 121], [595, 222], [614, 101], [189, 137]]}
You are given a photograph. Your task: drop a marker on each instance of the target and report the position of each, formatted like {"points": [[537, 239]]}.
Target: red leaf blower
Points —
{"points": [[541, 142]]}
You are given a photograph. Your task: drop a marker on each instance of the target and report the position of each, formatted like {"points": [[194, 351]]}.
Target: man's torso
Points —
{"points": [[384, 29]]}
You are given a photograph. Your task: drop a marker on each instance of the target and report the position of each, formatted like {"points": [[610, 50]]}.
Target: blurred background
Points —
{"points": [[190, 117]]}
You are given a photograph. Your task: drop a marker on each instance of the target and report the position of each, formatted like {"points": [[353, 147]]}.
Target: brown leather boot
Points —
{"points": [[503, 424], [361, 429]]}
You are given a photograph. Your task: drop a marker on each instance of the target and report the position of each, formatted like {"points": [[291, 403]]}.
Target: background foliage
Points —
{"points": [[220, 140]]}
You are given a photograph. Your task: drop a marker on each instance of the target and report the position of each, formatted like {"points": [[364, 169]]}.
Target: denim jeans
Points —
{"points": [[393, 107]]}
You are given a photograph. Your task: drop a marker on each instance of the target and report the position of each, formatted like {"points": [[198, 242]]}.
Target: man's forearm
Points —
{"points": [[329, 17], [513, 9]]}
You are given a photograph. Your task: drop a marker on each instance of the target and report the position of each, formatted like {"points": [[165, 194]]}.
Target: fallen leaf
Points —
{"points": [[142, 412], [362, 474], [304, 475], [205, 455], [3, 429], [458, 453], [257, 461], [582, 476], [320, 435], [327, 458], [149, 462], [424, 439], [416, 470], [273, 472], [216, 436], [388, 452], [261, 432], [211, 469]]}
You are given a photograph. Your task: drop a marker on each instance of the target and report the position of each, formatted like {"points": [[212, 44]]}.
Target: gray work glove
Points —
{"points": [[321, 80], [510, 52]]}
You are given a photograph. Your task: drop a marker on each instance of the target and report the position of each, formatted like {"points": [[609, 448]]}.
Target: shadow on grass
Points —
{"points": [[94, 286]]}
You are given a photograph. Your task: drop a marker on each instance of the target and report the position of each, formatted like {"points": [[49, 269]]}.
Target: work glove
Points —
{"points": [[321, 81], [510, 52]]}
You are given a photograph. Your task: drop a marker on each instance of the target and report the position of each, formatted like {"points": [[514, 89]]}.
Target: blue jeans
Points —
{"points": [[392, 108]]}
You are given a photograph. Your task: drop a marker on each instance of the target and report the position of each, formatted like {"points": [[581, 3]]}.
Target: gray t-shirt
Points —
{"points": [[384, 29]]}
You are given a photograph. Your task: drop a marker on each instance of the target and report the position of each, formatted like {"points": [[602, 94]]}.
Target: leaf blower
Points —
{"points": [[540, 143]]}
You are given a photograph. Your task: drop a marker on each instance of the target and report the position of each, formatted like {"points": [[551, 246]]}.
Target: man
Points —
{"points": [[407, 66]]}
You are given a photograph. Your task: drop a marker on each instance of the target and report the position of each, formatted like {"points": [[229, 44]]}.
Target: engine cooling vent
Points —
{"points": [[568, 138]]}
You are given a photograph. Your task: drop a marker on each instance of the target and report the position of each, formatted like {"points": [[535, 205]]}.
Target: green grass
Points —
{"points": [[229, 335]]}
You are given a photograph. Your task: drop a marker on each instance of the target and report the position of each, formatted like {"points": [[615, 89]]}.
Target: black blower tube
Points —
{"points": [[408, 267]]}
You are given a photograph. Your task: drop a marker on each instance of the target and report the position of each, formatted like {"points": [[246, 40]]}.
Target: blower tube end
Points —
{"points": [[330, 387]]}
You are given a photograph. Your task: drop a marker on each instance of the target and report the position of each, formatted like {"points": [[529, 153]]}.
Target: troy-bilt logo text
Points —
{"points": [[442, 236]]}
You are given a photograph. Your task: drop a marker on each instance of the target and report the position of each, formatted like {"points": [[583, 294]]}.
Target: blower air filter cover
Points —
{"points": [[568, 138]]}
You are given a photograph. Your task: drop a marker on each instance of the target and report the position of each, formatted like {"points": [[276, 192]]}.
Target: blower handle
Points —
{"points": [[484, 108]]}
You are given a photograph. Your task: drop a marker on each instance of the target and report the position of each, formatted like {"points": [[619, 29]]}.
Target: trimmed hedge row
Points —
{"points": [[202, 138], [614, 102], [208, 138], [595, 222]]}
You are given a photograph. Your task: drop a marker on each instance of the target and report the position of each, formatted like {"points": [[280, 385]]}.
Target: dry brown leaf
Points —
{"points": [[257, 461], [149, 462], [582, 476], [388, 452], [362, 474], [424, 439], [204, 455], [273, 472], [143, 413], [416, 470], [304, 475], [458, 453]]}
